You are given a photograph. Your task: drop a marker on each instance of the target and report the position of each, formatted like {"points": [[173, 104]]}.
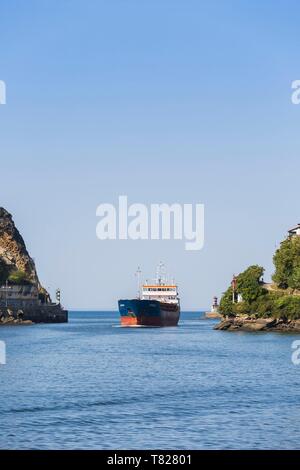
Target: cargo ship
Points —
{"points": [[157, 303]]}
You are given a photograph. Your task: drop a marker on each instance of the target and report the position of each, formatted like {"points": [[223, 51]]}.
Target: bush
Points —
{"points": [[287, 306], [244, 308], [18, 277], [266, 305]]}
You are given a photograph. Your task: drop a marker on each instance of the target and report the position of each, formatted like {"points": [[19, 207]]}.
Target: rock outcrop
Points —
{"points": [[23, 300], [259, 324], [13, 249]]}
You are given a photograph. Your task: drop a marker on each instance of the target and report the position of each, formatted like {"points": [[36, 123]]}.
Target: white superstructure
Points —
{"points": [[161, 289]]}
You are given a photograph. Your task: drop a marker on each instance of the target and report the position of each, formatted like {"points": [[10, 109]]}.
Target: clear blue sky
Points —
{"points": [[165, 101]]}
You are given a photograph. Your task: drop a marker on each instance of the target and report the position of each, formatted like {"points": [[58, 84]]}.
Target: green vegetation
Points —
{"points": [[44, 296], [249, 283], [226, 304], [18, 277], [4, 271], [12, 275], [283, 301], [287, 264], [250, 287]]}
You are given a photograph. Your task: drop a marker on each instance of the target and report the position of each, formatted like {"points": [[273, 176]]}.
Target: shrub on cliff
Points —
{"points": [[287, 264], [18, 277], [4, 271]]}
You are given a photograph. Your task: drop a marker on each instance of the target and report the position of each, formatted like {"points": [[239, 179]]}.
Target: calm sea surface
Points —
{"points": [[90, 384]]}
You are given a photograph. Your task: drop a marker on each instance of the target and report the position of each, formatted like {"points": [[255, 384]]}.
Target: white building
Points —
{"points": [[19, 296], [295, 231]]}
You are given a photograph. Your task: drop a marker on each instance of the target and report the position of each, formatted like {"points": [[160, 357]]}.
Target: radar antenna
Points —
{"points": [[160, 273]]}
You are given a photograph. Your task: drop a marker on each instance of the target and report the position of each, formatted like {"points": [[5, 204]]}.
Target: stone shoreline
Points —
{"points": [[260, 324], [51, 313], [212, 315], [14, 321]]}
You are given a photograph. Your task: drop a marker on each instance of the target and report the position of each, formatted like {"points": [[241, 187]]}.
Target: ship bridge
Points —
{"points": [[163, 293]]}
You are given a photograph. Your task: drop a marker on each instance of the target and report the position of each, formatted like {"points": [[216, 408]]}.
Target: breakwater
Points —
{"points": [[49, 313]]}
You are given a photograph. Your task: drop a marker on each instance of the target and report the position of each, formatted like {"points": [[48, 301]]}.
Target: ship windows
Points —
{"points": [[160, 289]]}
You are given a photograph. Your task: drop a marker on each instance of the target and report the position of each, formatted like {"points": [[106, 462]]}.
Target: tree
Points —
{"points": [[256, 300], [287, 264], [249, 283], [250, 287], [226, 305], [295, 278]]}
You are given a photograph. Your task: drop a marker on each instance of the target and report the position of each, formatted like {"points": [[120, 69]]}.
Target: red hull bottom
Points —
{"points": [[148, 321]]}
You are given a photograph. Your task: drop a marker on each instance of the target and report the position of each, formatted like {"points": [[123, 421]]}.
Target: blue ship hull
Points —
{"points": [[137, 312]]}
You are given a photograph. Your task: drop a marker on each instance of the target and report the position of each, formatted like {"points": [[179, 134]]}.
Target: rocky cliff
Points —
{"points": [[13, 252], [17, 307]]}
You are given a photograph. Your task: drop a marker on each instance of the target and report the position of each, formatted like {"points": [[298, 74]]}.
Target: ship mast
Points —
{"points": [[138, 276], [159, 273]]}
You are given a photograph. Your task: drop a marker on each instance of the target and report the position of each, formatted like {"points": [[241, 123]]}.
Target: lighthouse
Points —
{"points": [[214, 310], [215, 306]]}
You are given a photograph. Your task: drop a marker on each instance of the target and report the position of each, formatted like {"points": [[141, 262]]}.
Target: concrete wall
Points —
{"points": [[40, 314]]}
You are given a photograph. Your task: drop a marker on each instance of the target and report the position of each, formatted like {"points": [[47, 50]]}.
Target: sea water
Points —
{"points": [[90, 384]]}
